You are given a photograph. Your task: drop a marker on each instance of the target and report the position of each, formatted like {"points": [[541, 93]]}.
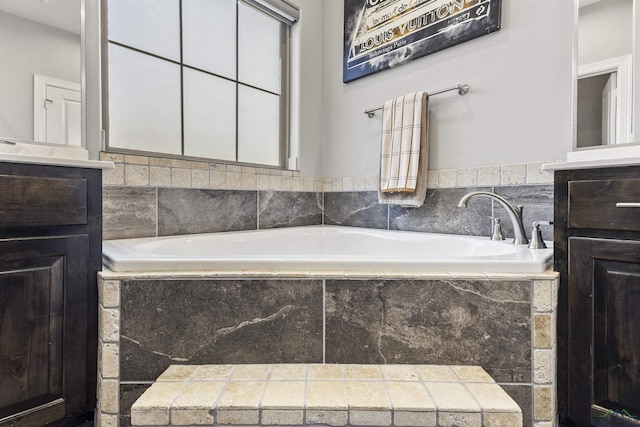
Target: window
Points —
{"points": [[200, 78]]}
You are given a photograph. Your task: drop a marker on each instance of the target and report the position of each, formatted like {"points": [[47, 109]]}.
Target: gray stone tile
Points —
{"points": [[356, 209], [189, 211], [523, 396], [167, 322], [484, 323], [129, 393], [128, 212], [441, 214], [538, 206], [289, 208]]}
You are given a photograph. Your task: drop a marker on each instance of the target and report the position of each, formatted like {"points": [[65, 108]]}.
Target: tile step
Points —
{"points": [[325, 395]]}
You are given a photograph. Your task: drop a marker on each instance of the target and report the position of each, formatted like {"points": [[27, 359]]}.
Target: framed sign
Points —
{"points": [[380, 34]]}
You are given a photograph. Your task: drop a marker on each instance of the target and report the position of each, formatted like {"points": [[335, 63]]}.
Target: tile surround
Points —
{"points": [[132, 208], [535, 393]]}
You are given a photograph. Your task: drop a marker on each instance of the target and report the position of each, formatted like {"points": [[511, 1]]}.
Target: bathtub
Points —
{"points": [[323, 249]]}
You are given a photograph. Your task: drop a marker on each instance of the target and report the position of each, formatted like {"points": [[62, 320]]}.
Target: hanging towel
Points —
{"points": [[404, 153]]}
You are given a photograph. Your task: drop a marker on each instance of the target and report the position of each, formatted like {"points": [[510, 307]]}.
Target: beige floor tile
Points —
{"points": [[330, 418], [241, 395], [327, 395], [159, 396], [367, 396], [362, 372], [289, 372], [177, 373], [436, 373], [472, 373], [369, 418], [492, 398], [282, 417], [414, 419], [459, 419], [452, 397], [191, 417], [409, 396], [149, 417], [325, 372], [502, 419], [250, 372], [283, 395], [399, 373], [238, 416], [199, 395], [213, 373]]}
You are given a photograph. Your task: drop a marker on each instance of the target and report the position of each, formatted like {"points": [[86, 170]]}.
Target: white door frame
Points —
{"points": [[40, 84], [622, 66]]}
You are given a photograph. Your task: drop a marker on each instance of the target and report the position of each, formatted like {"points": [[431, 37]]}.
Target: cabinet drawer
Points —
{"points": [[30, 201], [596, 204]]}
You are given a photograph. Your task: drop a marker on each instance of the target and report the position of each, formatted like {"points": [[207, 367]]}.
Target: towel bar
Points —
{"points": [[461, 88]]}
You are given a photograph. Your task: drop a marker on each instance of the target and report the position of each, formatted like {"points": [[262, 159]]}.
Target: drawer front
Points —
{"points": [[605, 204], [28, 201]]}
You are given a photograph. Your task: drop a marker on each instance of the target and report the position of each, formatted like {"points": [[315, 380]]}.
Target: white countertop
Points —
{"points": [[610, 156], [52, 161], [49, 154], [590, 164]]}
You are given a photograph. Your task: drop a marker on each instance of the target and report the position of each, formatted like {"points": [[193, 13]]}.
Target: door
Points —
{"points": [[43, 329], [57, 111], [63, 114], [604, 331], [609, 111]]}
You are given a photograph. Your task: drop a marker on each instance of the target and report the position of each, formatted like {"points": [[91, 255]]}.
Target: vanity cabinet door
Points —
{"points": [[43, 329], [604, 330]]}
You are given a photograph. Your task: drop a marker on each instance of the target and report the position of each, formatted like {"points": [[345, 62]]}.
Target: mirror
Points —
{"points": [[40, 71], [606, 55]]}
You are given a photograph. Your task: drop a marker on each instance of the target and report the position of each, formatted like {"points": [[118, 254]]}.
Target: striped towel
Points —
{"points": [[404, 152]]}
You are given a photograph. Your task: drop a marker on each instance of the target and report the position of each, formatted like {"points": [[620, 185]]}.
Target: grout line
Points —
{"points": [[324, 321]]}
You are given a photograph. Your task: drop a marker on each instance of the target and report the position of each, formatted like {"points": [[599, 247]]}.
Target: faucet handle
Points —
{"points": [[497, 229], [536, 235]]}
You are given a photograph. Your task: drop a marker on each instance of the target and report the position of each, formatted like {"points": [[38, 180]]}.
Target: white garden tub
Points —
{"points": [[323, 248]]}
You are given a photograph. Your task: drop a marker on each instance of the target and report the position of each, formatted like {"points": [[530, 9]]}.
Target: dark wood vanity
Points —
{"points": [[597, 253], [50, 253]]}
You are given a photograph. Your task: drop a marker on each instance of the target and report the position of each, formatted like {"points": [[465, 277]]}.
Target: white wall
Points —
{"points": [[28, 48], [307, 130], [605, 31], [518, 109]]}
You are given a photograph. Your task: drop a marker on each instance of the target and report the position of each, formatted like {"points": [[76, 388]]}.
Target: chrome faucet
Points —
{"points": [[515, 213]]}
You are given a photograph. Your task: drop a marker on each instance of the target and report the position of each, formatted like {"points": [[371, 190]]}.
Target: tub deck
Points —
{"points": [[325, 394], [323, 249]]}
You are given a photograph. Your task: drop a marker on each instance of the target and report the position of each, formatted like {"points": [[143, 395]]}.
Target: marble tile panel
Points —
{"points": [[485, 323], [128, 212], [355, 208], [288, 209], [441, 214], [169, 322], [188, 211], [538, 206]]}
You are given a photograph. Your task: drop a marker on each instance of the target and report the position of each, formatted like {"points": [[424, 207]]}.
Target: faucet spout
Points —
{"points": [[515, 213]]}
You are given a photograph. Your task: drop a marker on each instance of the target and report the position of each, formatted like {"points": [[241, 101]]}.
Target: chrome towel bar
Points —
{"points": [[461, 88]]}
